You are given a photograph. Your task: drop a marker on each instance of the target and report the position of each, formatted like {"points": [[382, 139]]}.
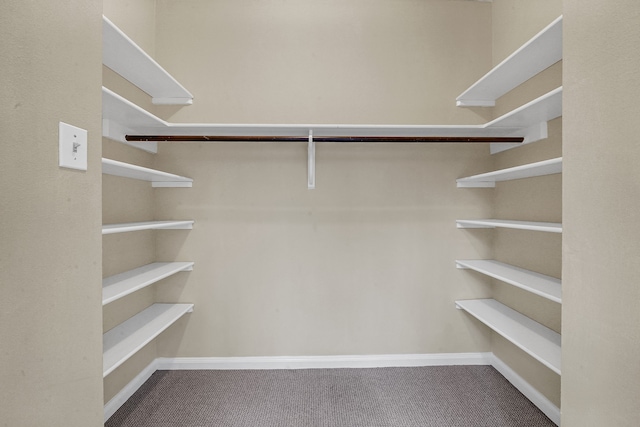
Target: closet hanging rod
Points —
{"points": [[398, 139]]}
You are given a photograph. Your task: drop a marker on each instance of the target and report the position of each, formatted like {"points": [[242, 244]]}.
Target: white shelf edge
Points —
{"points": [[126, 339], [120, 285], [545, 167], [122, 117], [539, 284], [550, 227], [147, 225], [542, 109], [537, 54], [126, 58], [156, 177], [535, 339]]}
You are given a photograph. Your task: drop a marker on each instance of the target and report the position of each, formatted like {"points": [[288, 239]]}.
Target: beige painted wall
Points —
{"points": [[534, 199], [128, 200], [51, 347], [601, 344], [516, 21], [136, 19], [364, 264], [336, 61]]}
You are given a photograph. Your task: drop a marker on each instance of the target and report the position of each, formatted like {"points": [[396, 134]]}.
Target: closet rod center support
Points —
{"points": [[311, 162]]}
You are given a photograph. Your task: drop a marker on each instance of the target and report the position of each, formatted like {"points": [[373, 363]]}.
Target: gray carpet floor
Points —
{"points": [[469, 396]]}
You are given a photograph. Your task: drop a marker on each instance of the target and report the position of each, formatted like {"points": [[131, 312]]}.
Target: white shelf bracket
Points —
{"points": [[311, 162], [116, 132], [531, 134]]}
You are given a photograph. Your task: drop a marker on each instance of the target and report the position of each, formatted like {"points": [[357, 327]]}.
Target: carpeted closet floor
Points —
{"points": [[473, 396]]}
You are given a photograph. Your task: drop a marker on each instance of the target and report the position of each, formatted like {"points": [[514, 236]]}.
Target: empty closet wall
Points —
{"points": [[601, 185], [50, 341], [534, 199], [363, 264], [128, 200]]}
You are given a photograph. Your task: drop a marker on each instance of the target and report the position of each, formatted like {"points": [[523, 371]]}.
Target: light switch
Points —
{"points": [[73, 147]]}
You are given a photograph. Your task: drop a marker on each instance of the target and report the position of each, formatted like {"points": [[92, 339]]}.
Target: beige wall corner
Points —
{"points": [[50, 316], [601, 320], [516, 21], [136, 19]]}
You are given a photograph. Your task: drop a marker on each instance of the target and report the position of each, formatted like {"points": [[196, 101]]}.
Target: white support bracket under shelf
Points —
{"points": [[531, 119], [117, 132], [534, 133], [311, 162]]}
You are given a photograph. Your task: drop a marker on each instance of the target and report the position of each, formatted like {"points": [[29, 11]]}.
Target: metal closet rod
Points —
{"points": [[399, 139]]}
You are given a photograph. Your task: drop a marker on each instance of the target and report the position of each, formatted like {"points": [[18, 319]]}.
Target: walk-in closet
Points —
{"points": [[341, 212]]}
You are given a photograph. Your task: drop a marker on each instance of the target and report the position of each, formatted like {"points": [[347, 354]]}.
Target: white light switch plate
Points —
{"points": [[73, 147]]}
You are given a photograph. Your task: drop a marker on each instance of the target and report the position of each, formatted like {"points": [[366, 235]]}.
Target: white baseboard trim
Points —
{"points": [[537, 398], [319, 362], [323, 362], [123, 395]]}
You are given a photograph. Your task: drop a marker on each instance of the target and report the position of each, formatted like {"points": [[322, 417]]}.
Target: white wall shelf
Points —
{"points": [[126, 339], [120, 285], [540, 110], [531, 119], [546, 167], [540, 342], [550, 227], [121, 117], [147, 225], [537, 54], [157, 178], [536, 283], [126, 58]]}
